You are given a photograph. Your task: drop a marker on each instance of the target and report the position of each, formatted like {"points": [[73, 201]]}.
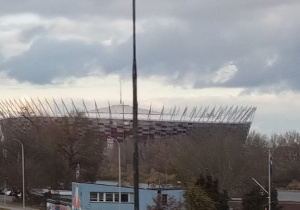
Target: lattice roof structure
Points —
{"points": [[116, 120], [223, 114]]}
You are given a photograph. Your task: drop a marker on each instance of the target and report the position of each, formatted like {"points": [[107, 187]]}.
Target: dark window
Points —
{"points": [[93, 196], [116, 197], [124, 197], [109, 197], [101, 199]]}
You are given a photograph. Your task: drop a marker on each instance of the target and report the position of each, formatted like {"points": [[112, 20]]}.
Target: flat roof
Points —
{"points": [[145, 186]]}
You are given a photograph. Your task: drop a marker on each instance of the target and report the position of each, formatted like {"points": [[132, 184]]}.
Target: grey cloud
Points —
{"points": [[50, 59], [67, 8], [177, 39], [208, 45], [29, 34], [192, 9]]}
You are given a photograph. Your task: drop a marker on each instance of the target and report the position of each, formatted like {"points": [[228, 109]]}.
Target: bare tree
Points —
{"points": [[52, 156], [232, 161]]}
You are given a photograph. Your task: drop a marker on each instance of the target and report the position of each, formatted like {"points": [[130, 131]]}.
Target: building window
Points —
{"points": [[101, 197], [111, 197], [96, 197], [117, 197], [124, 197], [93, 196]]}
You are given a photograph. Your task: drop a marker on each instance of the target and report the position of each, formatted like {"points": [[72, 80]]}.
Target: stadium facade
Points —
{"points": [[116, 120]]}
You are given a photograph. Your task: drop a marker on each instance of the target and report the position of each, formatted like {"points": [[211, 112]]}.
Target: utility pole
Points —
{"points": [[270, 162], [270, 174], [135, 118]]}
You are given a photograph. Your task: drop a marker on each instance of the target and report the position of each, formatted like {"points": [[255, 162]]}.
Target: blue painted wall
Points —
{"points": [[146, 196]]}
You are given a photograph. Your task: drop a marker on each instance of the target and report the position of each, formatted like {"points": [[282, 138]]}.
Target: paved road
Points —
{"points": [[6, 202]]}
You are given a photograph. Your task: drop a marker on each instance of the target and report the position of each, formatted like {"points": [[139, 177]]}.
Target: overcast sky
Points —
{"points": [[193, 53]]}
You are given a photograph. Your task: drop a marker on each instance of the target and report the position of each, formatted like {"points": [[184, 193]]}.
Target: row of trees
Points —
{"points": [[234, 162], [52, 153], [53, 150], [181, 159]]}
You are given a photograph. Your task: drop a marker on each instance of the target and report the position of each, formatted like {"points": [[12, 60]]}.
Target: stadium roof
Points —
{"points": [[120, 109], [52, 108]]}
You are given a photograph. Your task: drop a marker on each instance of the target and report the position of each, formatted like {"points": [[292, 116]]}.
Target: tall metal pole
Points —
{"points": [[135, 120], [270, 173]]}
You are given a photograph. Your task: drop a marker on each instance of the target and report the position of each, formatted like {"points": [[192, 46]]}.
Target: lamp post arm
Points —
{"points": [[260, 186]]}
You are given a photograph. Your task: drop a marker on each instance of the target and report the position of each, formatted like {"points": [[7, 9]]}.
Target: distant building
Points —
{"points": [[287, 200], [116, 120], [106, 196]]}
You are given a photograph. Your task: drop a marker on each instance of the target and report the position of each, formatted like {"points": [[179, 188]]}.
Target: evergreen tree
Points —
{"points": [[257, 199], [211, 187], [196, 198], [205, 194]]}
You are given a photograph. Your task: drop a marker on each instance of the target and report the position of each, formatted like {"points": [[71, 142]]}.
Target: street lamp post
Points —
{"points": [[270, 177], [23, 165], [23, 170], [119, 154]]}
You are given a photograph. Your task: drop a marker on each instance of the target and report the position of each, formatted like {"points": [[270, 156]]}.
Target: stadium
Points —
{"points": [[116, 120]]}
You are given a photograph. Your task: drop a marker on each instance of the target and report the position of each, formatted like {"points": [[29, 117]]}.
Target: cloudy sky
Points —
{"points": [[193, 53]]}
